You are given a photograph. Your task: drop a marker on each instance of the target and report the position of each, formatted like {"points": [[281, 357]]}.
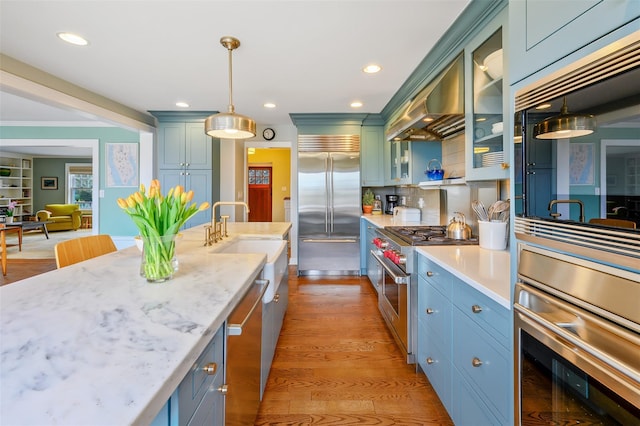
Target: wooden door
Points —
{"points": [[260, 194]]}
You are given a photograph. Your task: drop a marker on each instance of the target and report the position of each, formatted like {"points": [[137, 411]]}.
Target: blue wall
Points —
{"points": [[112, 220]]}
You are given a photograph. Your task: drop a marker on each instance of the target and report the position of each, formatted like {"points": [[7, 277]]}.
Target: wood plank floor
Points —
{"points": [[337, 364]]}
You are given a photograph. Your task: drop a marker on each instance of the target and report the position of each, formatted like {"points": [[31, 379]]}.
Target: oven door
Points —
{"points": [[392, 301], [572, 366]]}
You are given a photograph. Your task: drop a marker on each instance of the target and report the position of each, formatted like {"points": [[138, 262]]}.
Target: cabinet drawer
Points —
{"points": [[434, 310], [490, 379], [489, 314], [468, 409], [436, 275], [210, 411], [196, 383], [436, 365]]}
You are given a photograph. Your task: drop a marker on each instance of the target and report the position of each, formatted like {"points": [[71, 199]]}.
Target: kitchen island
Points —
{"points": [[94, 343]]}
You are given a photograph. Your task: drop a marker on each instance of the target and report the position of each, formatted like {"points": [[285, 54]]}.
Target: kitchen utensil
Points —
{"points": [[434, 170], [498, 207], [458, 230], [480, 210]]}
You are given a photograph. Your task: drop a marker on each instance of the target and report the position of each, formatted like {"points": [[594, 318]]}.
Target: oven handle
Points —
{"points": [[562, 332], [398, 276]]}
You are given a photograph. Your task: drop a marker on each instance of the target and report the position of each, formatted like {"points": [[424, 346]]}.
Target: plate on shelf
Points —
{"points": [[492, 158]]}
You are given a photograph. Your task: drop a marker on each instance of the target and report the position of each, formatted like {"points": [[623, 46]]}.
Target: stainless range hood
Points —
{"points": [[437, 112]]}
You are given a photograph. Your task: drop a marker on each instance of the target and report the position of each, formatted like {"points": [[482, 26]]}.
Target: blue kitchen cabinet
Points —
{"points": [[373, 268], [184, 145], [481, 330], [200, 181], [434, 327], [371, 156], [487, 145], [272, 320], [463, 340], [406, 162], [548, 31], [198, 399]]}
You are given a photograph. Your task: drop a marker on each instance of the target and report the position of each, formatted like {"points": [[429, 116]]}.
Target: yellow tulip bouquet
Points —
{"points": [[159, 218]]}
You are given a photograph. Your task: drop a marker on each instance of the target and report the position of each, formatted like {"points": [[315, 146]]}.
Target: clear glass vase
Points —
{"points": [[159, 261]]}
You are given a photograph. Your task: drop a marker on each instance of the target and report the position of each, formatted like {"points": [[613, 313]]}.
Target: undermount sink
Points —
{"points": [[275, 268]]}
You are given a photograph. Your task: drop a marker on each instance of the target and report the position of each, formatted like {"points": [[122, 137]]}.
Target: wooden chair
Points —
{"points": [[622, 223], [83, 248]]}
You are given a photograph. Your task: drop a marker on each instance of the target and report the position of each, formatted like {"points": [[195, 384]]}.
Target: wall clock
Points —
{"points": [[268, 134]]}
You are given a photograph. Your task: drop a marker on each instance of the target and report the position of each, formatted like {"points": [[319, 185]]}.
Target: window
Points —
{"points": [[79, 188]]}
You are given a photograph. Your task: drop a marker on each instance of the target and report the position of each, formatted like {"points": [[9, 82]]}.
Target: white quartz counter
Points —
{"points": [[266, 230], [381, 220], [485, 270], [95, 344]]}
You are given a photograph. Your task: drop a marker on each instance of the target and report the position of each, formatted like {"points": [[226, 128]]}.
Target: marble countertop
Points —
{"points": [[94, 343], [488, 271], [381, 220]]}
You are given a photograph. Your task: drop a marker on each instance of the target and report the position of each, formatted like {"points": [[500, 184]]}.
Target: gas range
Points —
{"points": [[423, 236]]}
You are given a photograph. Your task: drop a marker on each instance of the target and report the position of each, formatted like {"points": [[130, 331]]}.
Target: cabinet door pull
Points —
{"points": [[210, 368], [429, 273], [476, 309], [429, 311], [223, 389], [476, 362], [430, 361]]}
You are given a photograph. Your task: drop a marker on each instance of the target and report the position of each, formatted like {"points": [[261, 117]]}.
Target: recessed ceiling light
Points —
{"points": [[182, 105], [372, 69], [73, 39], [427, 119], [543, 106], [356, 104], [269, 105]]}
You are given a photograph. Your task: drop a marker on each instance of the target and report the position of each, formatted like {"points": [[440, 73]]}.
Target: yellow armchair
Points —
{"points": [[63, 217]]}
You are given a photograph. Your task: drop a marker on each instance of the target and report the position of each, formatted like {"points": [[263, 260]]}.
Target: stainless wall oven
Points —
{"points": [[577, 341]]}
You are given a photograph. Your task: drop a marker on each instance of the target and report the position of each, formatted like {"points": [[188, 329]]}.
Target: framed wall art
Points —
{"points": [[122, 164], [49, 183]]}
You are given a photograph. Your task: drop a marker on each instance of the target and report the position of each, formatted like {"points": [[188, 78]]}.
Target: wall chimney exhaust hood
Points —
{"points": [[437, 112]]}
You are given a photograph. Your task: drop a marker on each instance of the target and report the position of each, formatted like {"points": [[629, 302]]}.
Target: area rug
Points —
{"points": [[36, 246]]}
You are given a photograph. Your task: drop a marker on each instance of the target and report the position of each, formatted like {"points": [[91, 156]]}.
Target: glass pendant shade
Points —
{"points": [[565, 125], [229, 125]]}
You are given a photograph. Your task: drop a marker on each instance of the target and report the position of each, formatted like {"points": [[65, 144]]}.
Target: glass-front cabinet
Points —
{"points": [[487, 152]]}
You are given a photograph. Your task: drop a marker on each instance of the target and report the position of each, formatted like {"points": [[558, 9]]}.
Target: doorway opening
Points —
{"points": [[260, 194], [269, 187]]}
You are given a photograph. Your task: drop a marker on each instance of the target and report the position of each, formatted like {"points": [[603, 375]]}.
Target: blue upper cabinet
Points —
{"points": [[547, 31], [487, 147]]}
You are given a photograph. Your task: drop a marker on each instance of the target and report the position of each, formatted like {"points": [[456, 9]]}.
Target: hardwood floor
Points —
{"points": [[19, 269], [337, 364]]}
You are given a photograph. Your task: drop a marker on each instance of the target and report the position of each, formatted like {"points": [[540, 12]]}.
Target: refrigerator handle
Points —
{"points": [[327, 193], [330, 193]]}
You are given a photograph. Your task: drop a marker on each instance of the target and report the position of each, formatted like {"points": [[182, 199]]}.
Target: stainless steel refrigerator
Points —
{"points": [[328, 205]]}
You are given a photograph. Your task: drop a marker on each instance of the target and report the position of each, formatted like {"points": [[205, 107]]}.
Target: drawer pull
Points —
{"points": [[210, 368], [430, 360], [476, 309], [476, 362], [429, 273], [429, 311], [276, 298], [223, 389]]}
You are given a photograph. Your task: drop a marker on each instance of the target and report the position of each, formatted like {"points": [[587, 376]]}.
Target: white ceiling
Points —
{"points": [[306, 56]]}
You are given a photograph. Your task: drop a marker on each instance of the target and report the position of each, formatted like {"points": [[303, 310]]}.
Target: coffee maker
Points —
{"points": [[392, 202]]}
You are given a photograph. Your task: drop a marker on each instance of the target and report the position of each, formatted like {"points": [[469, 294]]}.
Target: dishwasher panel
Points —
{"points": [[244, 347]]}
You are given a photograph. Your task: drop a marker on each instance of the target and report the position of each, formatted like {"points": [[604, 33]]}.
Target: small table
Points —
{"points": [[3, 244], [31, 225]]}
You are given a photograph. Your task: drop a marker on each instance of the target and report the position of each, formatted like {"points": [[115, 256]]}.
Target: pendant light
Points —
{"points": [[229, 125], [565, 125]]}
